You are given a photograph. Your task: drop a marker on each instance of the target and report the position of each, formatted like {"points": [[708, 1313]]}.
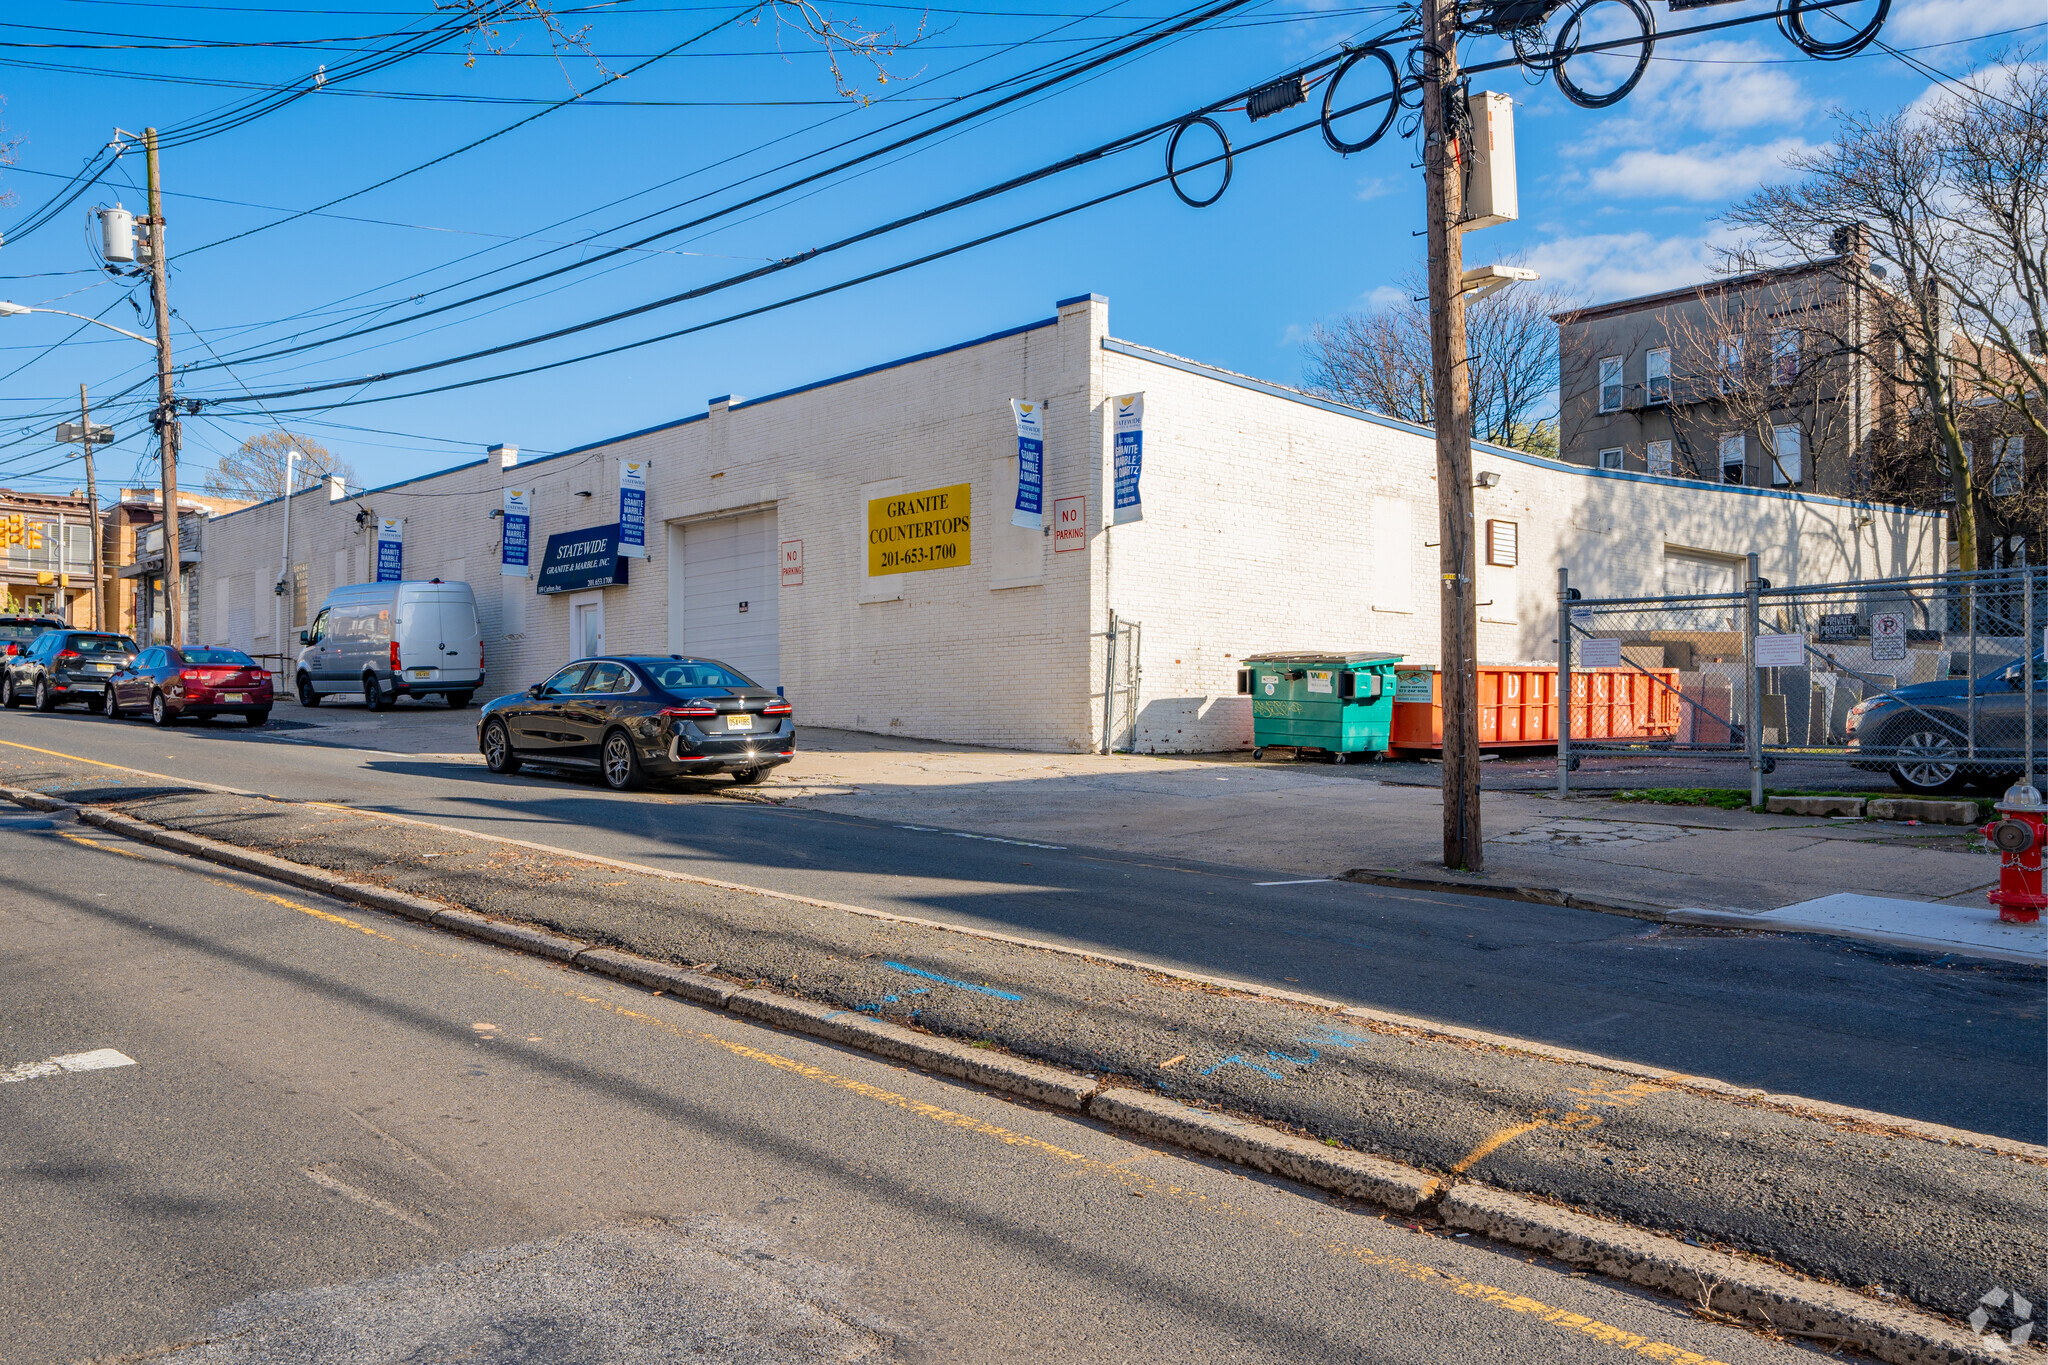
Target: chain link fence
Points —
{"points": [[1939, 682]]}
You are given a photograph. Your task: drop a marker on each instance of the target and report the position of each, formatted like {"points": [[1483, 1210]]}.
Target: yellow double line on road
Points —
{"points": [[1562, 1319]]}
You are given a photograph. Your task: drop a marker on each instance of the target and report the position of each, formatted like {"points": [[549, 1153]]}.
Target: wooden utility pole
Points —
{"points": [[166, 418], [1444, 158], [92, 495]]}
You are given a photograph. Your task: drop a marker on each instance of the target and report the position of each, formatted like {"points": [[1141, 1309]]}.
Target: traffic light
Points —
{"points": [[13, 529], [35, 535]]}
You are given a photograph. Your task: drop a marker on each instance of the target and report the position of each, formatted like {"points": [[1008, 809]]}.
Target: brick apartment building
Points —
{"points": [[49, 570], [1745, 380]]}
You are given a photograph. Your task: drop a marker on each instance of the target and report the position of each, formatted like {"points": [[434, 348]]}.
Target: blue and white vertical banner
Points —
{"points": [[1030, 509], [390, 549], [633, 509], [1129, 457], [513, 560]]}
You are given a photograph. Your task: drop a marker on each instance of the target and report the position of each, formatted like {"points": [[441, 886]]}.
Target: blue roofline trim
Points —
{"points": [[1082, 298], [1245, 381], [525, 463]]}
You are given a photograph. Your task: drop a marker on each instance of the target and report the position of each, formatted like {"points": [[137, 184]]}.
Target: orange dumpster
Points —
{"points": [[1518, 705]]}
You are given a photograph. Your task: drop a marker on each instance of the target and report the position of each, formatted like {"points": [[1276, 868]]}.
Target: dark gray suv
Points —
{"points": [[1921, 735]]}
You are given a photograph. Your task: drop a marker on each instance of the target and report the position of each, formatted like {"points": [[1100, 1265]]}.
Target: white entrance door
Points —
{"points": [[728, 591], [586, 626]]}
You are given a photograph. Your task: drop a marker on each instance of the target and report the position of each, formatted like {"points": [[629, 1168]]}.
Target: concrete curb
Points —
{"points": [[1741, 1289], [1563, 897], [414, 907], [1716, 1282]]}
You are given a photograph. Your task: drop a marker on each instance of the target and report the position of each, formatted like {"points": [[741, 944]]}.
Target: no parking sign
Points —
{"points": [[1888, 636]]}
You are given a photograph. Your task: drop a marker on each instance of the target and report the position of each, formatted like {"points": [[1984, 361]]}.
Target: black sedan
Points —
{"points": [[168, 684], [634, 717], [1921, 733], [60, 666]]}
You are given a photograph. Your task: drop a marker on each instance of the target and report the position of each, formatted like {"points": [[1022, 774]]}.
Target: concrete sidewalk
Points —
{"points": [[1372, 823], [1326, 821]]}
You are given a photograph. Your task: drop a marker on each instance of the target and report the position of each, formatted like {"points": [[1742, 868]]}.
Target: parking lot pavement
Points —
{"points": [[344, 1137]]}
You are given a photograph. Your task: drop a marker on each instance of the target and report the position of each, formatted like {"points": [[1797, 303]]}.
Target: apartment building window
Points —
{"points": [[1731, 364], [1659, 453], [1611, 459], [2008, 465], [1734, 450], [1785, 468], [1785, 356], [1610, 384], [1657, 376]]}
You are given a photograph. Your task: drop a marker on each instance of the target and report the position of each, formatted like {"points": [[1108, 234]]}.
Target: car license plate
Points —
{"points": [[234, 696], [423, 672], [739, 722]]}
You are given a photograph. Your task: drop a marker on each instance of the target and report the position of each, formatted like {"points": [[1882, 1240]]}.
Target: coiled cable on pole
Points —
{"points": [[1792, 23], [1331, 108], [1173, 173]]}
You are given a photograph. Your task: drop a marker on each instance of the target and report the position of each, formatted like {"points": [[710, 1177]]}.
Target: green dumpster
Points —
{"points": [[1339, 704]]}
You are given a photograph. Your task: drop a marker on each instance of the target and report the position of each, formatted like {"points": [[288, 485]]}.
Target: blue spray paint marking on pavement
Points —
{"points": [[1326, 1036], [1239, 1060], [1313, 1054], [949, 981]]}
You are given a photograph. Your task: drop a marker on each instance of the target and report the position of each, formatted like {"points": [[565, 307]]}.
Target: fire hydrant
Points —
{"points": [[2019, 839]]}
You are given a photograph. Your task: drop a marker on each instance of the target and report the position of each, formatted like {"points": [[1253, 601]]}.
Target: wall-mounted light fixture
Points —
{"points": [[1487, 479], [497, 511]]}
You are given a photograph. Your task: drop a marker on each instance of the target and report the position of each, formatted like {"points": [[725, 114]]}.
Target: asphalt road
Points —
{"points": [[329, 1135], [1948, 1041]]}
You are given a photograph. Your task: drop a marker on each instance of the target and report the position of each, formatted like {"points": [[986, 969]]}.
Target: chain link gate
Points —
{"points": [[1121, 673], [1820, 672]]}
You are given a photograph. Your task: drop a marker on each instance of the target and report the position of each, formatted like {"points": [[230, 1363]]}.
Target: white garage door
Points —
{"points": [[728, 590]]}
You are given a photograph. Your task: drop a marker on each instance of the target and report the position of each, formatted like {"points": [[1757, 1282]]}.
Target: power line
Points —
{"points": [[1126, 49]]}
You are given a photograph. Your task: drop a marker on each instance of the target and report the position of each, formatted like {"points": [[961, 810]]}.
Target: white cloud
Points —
{"points": [[1385, 297], [1712, 87], [1619, 265], [1377, 187], [1697, 173], [1933, 21]]}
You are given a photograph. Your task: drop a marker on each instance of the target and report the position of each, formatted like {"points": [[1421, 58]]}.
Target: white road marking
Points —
{"points": [[986, 838], [1305, 881], [326, 1180], [97, 1060]]}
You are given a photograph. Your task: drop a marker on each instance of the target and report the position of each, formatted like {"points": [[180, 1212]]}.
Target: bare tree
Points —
{"points": [[256, 469], [839, 39], [1760, 358], [1877, 210], [1996, 130], [1380, 361]]}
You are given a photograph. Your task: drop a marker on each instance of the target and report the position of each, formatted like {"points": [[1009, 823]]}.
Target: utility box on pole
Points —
{"points": [[1490, 193]]}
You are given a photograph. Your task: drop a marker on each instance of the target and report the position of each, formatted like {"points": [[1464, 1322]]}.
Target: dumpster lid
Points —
{"points": [[1329, 656]]}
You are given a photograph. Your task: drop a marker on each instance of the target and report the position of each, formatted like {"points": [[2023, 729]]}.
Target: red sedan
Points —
{"points": [[168, 684]]}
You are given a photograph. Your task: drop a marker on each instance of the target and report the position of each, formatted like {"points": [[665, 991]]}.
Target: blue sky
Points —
{"points": [[1614, 202]]}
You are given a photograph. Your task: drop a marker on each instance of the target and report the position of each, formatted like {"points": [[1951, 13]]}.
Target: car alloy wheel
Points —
{"points": [[45, 700], [7, 697], [110, 703], [1927, 762], [498, 755], [748, 777], [159, 710], [621, 767]]}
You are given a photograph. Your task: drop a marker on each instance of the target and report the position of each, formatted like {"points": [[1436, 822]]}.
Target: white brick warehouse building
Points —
{"points": [[1272, 520]]}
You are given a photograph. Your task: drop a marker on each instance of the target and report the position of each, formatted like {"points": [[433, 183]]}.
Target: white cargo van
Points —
{"points": [[383, 641]]}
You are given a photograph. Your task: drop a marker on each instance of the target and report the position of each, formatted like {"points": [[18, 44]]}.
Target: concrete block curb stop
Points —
{"points": [[1733, 1286], [1814, 805], [1927, 812]]}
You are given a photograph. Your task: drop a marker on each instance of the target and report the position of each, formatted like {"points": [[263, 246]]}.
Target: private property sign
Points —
{"points": [[908, 532]]}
